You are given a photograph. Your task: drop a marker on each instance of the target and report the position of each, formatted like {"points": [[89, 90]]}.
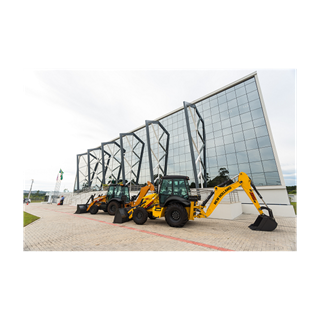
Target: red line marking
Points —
{"points": [[149, 232]]}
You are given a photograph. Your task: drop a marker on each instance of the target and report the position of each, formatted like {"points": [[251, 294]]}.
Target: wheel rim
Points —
{"points": [[175, 215], [113, 208], [139, 215]]}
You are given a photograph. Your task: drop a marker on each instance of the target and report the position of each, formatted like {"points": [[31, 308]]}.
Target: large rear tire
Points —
{"points": [[176, 215]]}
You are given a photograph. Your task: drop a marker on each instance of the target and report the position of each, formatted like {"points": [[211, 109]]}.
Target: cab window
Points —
{"points": [[180, 189], [125, 192], [165, 191], [110, 191], [117, 193]]}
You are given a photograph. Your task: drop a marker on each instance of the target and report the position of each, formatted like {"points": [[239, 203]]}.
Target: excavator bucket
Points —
{"points": [[81, 208], [121, 215], [264, 222]]}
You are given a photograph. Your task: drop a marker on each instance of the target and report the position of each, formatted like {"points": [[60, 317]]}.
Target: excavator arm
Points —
{"points": [[263, 222], [143, 191]]}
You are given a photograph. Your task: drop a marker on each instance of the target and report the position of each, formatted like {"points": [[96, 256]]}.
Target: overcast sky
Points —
{"points": [[71, 111]]}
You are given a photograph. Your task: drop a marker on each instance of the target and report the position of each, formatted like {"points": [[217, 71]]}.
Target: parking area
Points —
{"points": [[59, 229]]}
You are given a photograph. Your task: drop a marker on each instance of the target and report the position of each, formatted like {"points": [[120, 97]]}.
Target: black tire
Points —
{"points": [[176, 215], [113, 207], [94, 209], [140, 215]]}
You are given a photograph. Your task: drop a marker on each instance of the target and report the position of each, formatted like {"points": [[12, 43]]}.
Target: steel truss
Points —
{"points": [[113, 150], [95, 168], [130, 152], [197, 143], [159, 154], [83, 170]]}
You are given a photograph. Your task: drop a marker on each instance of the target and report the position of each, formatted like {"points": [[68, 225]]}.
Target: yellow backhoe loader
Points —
{"points": [[175, 202], [116, 197]]}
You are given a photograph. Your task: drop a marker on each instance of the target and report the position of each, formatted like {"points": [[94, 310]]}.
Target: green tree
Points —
{"points": [[222, 177]]}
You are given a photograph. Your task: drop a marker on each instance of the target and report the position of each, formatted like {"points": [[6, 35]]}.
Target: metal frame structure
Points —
{"points": [[150, 151], [123, 159], [96, 165], [200, 138], [78, 159], [111, 156]]}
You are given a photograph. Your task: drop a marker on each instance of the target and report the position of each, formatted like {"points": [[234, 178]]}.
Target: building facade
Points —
{"points": [[234, 135]]}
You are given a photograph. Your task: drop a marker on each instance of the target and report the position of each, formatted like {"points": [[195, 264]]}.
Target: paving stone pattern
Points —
{"points": [[61, 230]]}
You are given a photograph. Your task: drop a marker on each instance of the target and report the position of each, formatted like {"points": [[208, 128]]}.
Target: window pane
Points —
{"points": [[269, 165], [219, 141], [266, 153], [235, 120], [215, 118], [245, 117], [225, 124], [231, 158], [228, 139], [253, 95], [256, 167], [220, 150], [261, 131], [272, 178], [242, 157], [233, 112], [258, 179], [232, 103], [242, 99], [238, 136], [257, 114], [237, 128], [244, 167], [254, 155], [223, 107], [215, 110], [231, 95], [264, 142], [259, 122], [249, 134], [222, 160], [224, 115], [251, 87], [229, 148], [227, 131], [251, 144], [244, 108], [240, 92], [240, 146], [247, 125], [255, 104], [222, 99]]}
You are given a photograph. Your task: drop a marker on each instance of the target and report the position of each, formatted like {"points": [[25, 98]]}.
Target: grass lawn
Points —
{"points": [[295, 206], [28, 218]]}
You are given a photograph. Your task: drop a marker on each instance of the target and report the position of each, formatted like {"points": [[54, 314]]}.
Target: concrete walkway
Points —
{"points": [[61, 230]]}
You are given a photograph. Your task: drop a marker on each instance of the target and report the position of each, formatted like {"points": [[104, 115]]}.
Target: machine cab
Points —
{"points": [[117, 192], [174, 187]]}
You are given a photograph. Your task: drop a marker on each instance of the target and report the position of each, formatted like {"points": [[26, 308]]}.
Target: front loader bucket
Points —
{"points": [[264, 223], [81, 208], [121, 215]]}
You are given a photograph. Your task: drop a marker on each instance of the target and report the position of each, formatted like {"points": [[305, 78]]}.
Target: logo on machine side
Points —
{"points": [[221, 195]]}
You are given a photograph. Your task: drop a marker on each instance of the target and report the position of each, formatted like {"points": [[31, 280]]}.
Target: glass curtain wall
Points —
{"points": [[237, 138]]}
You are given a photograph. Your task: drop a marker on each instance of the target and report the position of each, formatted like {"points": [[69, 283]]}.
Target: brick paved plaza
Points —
{"points": [[58, 229]]}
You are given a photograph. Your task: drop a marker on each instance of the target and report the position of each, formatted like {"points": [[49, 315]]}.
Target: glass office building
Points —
{"points": [[237, 137]]}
